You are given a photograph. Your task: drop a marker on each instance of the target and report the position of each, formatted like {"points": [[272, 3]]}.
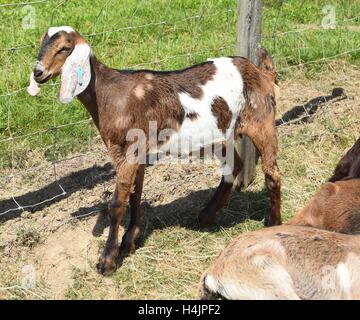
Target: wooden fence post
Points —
{"points": [[249, 22]]}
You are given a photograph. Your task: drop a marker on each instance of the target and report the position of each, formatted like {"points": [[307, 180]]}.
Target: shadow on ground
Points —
{"points": [[304, 113], [83, 179], [183, 212]]}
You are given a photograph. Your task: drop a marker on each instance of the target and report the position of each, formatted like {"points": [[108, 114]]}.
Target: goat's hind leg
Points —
{"points": [[134, 230], [264, 136], [222, 193]]}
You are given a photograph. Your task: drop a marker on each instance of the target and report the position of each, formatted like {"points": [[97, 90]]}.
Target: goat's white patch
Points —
{"points": [[54, 30], [194, 134], [149, 76], [265, 283], [211, 283], [139, 91], [258, 272], [276, 284], [39, 66]]}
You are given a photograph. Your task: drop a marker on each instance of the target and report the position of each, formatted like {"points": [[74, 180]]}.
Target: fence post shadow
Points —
{"points": [[304, 113]]}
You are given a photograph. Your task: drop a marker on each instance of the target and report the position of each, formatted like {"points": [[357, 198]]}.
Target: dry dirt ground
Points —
{"points": [[51, 250]]}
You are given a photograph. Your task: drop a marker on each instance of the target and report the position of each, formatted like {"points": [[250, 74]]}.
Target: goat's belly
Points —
{"points": [[192, 137], [195, 135]]}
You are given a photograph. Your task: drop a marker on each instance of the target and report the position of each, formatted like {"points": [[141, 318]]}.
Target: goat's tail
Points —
{"points": [[266, 64]]}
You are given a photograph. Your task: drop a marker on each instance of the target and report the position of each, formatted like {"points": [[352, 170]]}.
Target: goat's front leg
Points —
{"points": [[125, 173], [134, 229], [222, 193]]}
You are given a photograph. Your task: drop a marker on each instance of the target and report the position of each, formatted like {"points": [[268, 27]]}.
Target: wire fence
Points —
{"points": [[20, 144]]}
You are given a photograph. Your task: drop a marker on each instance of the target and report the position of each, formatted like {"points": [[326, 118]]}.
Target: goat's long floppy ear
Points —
{"points": [[75, 73]]}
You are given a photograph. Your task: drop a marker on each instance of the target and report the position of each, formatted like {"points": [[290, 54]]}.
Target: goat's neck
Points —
{"points": [[88, 97]]}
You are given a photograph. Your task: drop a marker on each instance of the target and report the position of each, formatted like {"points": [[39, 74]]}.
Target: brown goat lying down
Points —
{"points": [[336, 206], [286, 262], [200, 104]]}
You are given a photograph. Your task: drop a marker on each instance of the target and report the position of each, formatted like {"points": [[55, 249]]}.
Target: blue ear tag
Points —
{"points": [[80, 75]]}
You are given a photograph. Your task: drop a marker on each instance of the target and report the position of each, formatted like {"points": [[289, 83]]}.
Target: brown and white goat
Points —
{"points": [[336, 206], [286, 262], [207, 100]]}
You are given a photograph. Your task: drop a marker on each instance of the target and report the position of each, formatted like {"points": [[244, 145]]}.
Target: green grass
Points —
{"points": [[27, 237], [180, 41]]}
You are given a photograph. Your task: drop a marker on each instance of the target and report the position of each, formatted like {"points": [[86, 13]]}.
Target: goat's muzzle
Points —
{"points": [[41, 78], [40, 74]]}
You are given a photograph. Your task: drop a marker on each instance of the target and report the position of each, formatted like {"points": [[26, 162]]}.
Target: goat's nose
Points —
{"points": [[37, 73]]}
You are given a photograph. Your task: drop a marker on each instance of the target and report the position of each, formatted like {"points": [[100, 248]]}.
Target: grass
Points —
{"points": [[27, 237], [192, 31]]}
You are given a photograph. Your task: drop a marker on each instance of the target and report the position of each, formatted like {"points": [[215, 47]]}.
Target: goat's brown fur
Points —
{"points": [[222, 112], [335, 207]]}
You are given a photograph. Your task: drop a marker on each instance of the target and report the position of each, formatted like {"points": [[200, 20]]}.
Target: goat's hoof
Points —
{"points": [[127, 248], [206, 219], [106, 266]]}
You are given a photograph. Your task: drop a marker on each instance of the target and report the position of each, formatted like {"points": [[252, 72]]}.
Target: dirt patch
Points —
{"points": [[60, 254]]}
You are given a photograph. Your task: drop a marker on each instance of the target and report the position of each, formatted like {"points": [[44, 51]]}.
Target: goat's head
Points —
{"points": [[62, 51]]}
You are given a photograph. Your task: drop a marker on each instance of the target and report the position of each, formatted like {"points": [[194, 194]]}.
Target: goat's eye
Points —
{"points": [[64, 49]]}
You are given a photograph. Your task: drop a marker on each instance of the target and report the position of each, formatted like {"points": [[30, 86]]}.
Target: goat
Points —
{"points": [[349, 165], [207, 99], [285, 262], [336, 206]]}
